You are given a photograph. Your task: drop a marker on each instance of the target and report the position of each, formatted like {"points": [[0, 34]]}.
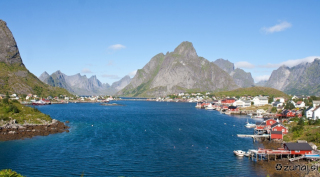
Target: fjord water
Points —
{"points": [[139, 139]]}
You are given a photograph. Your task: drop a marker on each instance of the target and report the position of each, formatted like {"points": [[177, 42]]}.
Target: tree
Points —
{"points": [[289, 105], [273, 109]]}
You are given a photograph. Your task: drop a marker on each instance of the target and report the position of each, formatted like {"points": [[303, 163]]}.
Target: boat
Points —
{"points": [[250, 125], [40, 102], [239, 153], [250, 114], [247, 154], [209, 106]]}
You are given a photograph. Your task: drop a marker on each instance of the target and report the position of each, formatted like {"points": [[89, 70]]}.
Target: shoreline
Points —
{"points": [[16, 131]]}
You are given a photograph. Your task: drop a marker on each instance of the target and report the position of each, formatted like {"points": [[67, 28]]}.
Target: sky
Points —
{"points": [[112, 39]]}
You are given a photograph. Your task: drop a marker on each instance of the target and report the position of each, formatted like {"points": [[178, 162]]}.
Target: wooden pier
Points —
{"points": [[254, 137]]}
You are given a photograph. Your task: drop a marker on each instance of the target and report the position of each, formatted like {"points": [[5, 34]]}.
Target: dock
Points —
{"points": [[253, 136]]}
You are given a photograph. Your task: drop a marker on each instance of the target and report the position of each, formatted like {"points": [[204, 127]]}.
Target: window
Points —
{"points": [[297, 151], [275, 129]]}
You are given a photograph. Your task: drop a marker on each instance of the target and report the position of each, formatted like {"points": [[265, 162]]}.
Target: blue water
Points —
{"points": [[140, 139]]}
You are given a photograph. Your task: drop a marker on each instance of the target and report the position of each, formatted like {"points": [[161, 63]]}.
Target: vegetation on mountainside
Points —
{"points": [[10, 110], [252, 91], [15, 78], [9, 173], [301, 129]]}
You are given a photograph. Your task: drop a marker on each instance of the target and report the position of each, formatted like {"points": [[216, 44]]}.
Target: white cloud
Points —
{"points": [[261, 78], [290, 63], [116, 47], [85, 70], [277, 28], [133, 73], [110, 76], [243, 64]]}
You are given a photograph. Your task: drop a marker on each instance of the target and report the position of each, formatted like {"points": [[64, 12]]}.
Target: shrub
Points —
{"points": [[9, 173]]}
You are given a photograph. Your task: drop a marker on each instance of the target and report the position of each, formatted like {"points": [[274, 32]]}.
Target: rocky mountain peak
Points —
{"points": [[226, 65], [186, 49], [44, 76], [9, 52]]}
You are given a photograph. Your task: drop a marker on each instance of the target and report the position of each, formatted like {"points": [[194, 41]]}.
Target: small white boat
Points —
{"points": [[250, 125], [250, 114], [239, 153], [209, 107]]}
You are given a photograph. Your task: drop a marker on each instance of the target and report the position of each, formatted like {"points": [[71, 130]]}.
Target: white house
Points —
{"points": [[316, 113], [238, 103], [260, 101], [247, 103], [281, 100], [309, 112], [316, 103], [300, 104]]}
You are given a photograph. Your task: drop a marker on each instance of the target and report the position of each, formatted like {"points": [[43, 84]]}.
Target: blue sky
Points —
{"points": [[111, 39]]}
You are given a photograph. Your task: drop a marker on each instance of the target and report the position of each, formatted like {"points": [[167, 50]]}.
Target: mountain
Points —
{"points": [[81, 85], [261, 83], [178, 71], [14, 76], [302, 79], [122, 83], [240, 77]]}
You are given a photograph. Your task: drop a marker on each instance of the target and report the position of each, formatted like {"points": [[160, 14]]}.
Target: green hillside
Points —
{"points": [[252, 91], [15, 78]]}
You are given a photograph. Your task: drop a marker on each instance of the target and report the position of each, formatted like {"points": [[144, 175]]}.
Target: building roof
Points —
{"points": [[316, 102], [276, 124], [298, 146], [262, 98], [299, 102], [232, 107], [310, 108], [276, 103], [276, 132]]}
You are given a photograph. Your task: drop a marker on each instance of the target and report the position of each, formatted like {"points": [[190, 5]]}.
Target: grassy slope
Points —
{"points": [[17, 79], [25, 114], [252, 91]]}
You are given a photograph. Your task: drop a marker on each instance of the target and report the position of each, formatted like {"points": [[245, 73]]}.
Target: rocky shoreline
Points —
{"points": [[13, 131]]}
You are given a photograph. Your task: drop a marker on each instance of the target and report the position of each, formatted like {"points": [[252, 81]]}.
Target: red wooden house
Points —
{"points": [[276, 135], [228, 101], [279, 127], [298, 148]]}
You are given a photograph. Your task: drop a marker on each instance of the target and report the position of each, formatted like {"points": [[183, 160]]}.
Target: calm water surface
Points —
{"points": [[139, 139]]}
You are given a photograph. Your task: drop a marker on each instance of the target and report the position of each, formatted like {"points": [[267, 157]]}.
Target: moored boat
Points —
{"points": [[239, 153]]}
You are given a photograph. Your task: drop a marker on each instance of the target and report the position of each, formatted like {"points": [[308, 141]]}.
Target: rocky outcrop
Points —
{"points": [[9, 52], [303, 79], [13, 131], [240, 77], [178, 71], [261, 83], [14, 76]]}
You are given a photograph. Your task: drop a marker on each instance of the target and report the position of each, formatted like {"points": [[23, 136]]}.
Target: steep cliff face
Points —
{"points": [[121, 83], [9, 52], [240, 77], [301, 79], [180, 70], [14, 76]]}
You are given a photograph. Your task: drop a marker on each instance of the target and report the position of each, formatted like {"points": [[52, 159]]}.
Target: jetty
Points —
{"points": [[254, 137]]}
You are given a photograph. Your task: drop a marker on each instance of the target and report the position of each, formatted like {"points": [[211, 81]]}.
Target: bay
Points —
{"points": [[141, 138]]}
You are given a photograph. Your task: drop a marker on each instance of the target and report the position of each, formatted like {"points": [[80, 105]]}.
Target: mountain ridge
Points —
{"points": [[180, 70]]}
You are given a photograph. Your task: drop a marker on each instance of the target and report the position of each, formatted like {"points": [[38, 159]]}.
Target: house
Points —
{"points": [[238, 103], [288, 113], [260, 101], [297, 97], [298, 148], [316, 113], [281, 99], [309, 112], [300, 104], [279, 127], [247, 103], [277, 104], [276, 135], [316, 103], [228, 101]]}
